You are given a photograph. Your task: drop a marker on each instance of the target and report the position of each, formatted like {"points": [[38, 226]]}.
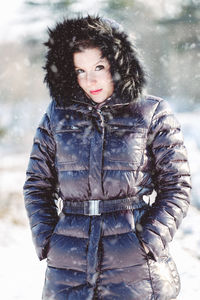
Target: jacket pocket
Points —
{"points": [[69, 141], [50, 242], [138, 214], [163, 271], [164, 277], [66, 129], [125, 144]]}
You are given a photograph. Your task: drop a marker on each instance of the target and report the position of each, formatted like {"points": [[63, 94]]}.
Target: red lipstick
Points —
{"points": [[95, 92]]}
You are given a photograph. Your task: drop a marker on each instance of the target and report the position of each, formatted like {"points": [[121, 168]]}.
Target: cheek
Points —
{"points": [[104, 79], [108, 81], [111, 87], [108, 77], [81, 82]]}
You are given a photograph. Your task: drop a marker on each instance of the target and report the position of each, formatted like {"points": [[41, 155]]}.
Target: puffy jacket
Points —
{"points": [[115, 151]]}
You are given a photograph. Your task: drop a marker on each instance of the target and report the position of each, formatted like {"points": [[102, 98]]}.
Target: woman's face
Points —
{"points": [[93, 74]]}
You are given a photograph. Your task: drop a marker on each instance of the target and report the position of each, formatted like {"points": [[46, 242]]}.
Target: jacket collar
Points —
{"points": [[112, 101]]}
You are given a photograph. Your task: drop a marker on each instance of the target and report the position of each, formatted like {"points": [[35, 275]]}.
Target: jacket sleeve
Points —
{"points": [[171, 177], [40, 187]]}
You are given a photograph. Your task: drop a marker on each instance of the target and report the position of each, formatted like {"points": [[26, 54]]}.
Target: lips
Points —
{"points": [[95, 92]]}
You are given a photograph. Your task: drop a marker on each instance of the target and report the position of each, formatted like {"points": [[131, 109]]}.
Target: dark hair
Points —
{"points": [[74, 35]]}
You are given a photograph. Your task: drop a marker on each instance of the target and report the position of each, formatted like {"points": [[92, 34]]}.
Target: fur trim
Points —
{"points": [[126, 70]]}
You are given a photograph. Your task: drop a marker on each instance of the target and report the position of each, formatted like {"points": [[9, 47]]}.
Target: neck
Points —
{"points": [[99, 105]]}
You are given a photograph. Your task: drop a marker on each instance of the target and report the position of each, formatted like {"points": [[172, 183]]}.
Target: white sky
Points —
{"points": [[8, 15]]}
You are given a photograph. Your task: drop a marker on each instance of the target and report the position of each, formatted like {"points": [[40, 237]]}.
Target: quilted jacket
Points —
{"points": [[112, 151]]}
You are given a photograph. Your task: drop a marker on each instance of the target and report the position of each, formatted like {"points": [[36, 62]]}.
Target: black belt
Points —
{"points": [[97, 207]]}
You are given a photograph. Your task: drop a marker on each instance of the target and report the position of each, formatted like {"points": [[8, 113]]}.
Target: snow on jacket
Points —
{"points": [[117, 150]]}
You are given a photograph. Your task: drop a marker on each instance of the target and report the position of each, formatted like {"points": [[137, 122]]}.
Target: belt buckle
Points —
{"points": [[93, 208]]}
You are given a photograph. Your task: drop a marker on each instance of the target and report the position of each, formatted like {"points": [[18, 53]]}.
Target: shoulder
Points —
{"points": [[152, 110], [153, 101], [153, 105], [162, 114], [53, 110], [57, 114]]}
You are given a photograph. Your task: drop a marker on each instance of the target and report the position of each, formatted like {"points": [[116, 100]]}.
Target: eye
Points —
{"points": [[99, 68], [79, 71]]}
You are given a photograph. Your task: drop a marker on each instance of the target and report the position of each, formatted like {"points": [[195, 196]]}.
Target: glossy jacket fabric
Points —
{"points": [[115, 151]]}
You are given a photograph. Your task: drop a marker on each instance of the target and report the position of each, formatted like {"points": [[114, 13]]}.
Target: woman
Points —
{"points": [[102, 147]]}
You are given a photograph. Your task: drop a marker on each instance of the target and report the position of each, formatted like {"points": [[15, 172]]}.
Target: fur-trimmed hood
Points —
{"points": [[60, 77]]}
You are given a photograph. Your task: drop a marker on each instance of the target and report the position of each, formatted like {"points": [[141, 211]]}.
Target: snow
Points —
{"points": [[185, 251], [191, 127], [21, 273]]}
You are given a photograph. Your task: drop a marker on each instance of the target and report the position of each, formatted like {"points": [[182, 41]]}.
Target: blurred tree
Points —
{"points": [[183, 36], [51, 6], [2, 131], [117, 5], [138, 19], [45, 11], [169, 47], [119, 9], [37, 13]]}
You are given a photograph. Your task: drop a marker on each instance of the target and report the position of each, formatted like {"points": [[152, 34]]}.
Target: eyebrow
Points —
{"points": [[101, 60]]}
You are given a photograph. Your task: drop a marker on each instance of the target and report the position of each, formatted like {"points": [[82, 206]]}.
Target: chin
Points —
{"points": [[98, 100]]}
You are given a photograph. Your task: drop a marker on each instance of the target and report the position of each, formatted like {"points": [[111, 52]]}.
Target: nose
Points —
{"points": [[90, 79]]}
